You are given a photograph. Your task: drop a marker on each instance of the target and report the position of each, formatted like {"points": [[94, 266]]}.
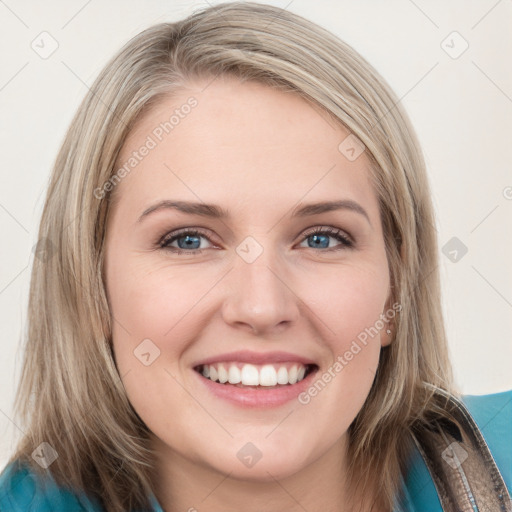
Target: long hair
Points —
{"points": [[70, 394]]}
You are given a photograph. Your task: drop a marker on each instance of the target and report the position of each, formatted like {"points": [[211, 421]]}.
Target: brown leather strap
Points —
{"points": [[459, 461]]}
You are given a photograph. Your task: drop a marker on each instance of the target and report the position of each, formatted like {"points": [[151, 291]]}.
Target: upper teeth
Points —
{"points": [[254, 375]]}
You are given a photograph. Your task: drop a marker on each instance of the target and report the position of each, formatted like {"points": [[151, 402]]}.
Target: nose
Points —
{"points": [[260, 295]]}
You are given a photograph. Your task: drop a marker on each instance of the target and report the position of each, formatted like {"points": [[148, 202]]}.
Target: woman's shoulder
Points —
{"points": [[492, 414], [23, 490]]}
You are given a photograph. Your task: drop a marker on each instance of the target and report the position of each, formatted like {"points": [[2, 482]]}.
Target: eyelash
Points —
{"points": [[165, 242]]}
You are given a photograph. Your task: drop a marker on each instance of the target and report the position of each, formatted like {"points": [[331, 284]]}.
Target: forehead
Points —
{"points": [[225, 141]]}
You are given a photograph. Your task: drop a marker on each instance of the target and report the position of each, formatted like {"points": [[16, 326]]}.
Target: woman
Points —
{"points": [[241, 306]]}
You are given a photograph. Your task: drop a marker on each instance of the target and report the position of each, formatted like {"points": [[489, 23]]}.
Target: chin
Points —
{"points": [[260, 460]]}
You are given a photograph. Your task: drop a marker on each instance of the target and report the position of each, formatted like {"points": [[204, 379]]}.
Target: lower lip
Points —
{"points": [[257, 397]]}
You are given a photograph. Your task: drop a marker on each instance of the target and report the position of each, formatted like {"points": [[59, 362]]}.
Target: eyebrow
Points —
{"points": [[216, 212]]}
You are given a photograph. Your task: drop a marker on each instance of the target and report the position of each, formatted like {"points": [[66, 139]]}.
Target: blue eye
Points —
{"points": [[189, 240], [320, 238]]}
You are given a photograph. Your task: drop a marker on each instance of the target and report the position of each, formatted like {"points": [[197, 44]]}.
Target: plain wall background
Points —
{"points": [[460, 105]]}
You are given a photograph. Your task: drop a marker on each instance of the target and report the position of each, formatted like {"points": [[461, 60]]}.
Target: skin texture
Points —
{"points": [[258, 153]]}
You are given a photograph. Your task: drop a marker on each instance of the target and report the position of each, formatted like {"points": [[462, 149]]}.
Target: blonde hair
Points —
{"points": [[70, 394]]}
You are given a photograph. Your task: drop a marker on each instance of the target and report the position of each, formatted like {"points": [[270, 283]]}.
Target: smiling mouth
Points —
{"points": [[246, 375]]}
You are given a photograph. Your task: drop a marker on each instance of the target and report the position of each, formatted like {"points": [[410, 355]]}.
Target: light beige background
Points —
{"points": [[461, 108]]}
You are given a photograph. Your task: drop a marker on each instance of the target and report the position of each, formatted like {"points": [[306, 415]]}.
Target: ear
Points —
{"points": [[392, 308], [386, 337], [387, 333]]}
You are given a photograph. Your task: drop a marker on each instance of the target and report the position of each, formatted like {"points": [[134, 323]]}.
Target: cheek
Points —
{"points": [[158, 313], [152, 308], [149, 301], [350, 306], [348, 301]]}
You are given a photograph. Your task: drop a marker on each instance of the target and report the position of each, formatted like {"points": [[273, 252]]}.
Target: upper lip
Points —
{"points": [[247, 356]]}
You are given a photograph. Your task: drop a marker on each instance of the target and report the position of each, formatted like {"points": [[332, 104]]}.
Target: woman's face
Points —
{"points": [[243, 288]]}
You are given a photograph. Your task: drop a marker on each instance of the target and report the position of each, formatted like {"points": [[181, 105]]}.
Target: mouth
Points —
{"points": [[256, 376]]}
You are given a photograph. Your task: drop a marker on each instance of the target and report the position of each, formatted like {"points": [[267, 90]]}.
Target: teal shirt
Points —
{"points": [[20, 492]]}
